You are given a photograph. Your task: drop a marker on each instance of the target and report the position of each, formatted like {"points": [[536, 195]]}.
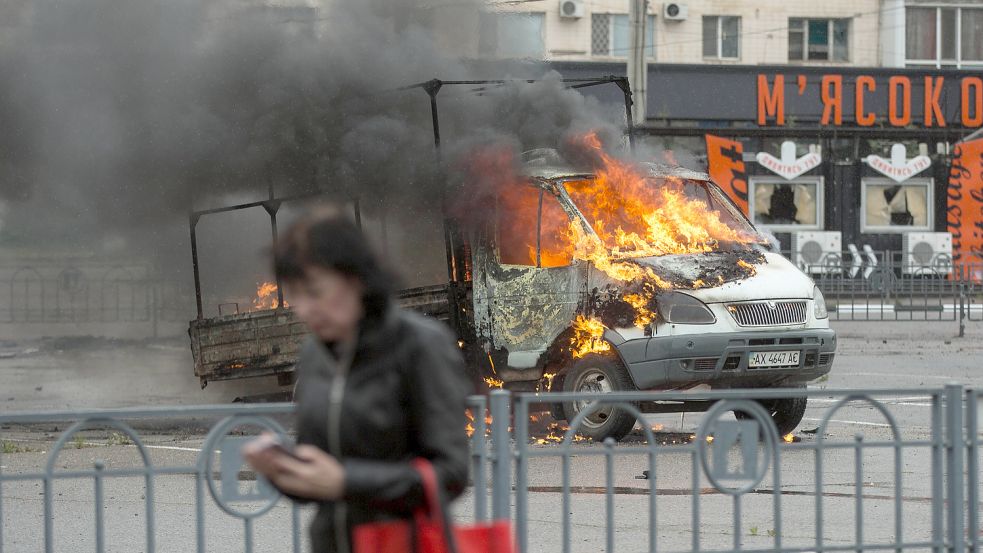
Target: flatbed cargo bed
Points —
{"points": [[267, 342]]}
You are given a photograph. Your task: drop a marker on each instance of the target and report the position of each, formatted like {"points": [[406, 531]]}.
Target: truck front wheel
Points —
{"points": [[598, 374], [786, 413]]}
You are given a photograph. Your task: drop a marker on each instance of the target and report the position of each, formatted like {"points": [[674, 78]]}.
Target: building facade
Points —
{"points": [[836, 116], [865, 33]]}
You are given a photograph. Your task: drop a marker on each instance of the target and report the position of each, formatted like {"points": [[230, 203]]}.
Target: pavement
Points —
{"points": [[915, 356]]}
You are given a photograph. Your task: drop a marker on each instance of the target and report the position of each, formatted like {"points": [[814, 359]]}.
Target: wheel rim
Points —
{"points": [[593, 381]]}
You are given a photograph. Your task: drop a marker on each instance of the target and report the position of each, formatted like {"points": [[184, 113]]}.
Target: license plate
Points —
{"points": [[773, 359]]}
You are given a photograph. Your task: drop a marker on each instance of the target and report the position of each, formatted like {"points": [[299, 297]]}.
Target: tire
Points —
{"points": [[599, 373], [786, 413]]}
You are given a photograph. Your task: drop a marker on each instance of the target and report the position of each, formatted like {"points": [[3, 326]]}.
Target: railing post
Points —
{"points": [[955, 477], [972, 470], [501, 458], [479, 455], [962, 308]]}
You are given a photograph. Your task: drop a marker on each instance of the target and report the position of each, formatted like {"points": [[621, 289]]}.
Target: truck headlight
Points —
{"points": [[679, 308], [820, 303]]}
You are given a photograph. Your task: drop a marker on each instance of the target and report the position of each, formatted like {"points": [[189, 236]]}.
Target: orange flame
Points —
{"points": [[630, 213], [555, 433], [636, 217], [588, 337], [266, 297]]}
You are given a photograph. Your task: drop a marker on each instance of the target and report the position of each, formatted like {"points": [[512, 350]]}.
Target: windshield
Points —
{"points": [[661, 215]]}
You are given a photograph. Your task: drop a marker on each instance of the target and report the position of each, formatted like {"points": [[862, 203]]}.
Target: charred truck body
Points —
{"points": [[545, 294]]}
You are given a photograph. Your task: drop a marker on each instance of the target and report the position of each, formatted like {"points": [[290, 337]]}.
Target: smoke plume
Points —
{"points": [[119, 115]]}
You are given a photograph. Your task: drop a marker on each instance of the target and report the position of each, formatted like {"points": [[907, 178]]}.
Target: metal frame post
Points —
{"points": [[955, 477], [502, 455], [625, 87], [193, 224], [272, 206]]}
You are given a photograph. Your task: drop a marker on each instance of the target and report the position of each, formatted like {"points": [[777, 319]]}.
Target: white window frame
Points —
{"points": [[937, 62], [928, 182], [829, 32], [530, 14], [720, 42], [818, 180], [611, 54]]}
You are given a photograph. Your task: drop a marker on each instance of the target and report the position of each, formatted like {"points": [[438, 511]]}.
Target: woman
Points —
{"points": [[377, 387]]}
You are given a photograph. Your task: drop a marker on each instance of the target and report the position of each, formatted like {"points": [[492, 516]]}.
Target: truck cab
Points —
{"points": [[728, 316]]}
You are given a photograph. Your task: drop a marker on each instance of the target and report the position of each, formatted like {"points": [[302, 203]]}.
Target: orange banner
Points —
{"points": [[964, 217], [725, 160]]}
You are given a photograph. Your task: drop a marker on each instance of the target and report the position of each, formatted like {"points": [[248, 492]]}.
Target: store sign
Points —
{"points": [[964, 214], [789, 166], [899, 168], [800, 97], [863, 100], [725, 161]]}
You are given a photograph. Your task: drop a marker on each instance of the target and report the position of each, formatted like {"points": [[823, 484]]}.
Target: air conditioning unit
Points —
{"points": [[572, 9], [674, 11], [927, 253], [818, 252]]}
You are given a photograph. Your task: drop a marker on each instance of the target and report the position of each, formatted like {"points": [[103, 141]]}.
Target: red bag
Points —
{"points": [[429, 527]]}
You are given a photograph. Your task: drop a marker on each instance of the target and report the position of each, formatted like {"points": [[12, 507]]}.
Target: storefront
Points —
{"points": [[863, 151]]}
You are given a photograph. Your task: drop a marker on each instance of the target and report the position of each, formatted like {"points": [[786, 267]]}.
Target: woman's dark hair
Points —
{"points": [[327, 238]]}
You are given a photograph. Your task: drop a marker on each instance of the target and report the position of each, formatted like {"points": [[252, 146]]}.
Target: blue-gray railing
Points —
{"points": [[729, 472], [213, 482], [949, 445]]}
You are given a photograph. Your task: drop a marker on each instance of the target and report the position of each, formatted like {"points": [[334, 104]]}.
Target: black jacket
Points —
{"points": [[403, 397]]}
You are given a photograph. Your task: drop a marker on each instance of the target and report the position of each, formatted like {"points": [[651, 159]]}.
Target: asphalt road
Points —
{"points": [[920, 357]]}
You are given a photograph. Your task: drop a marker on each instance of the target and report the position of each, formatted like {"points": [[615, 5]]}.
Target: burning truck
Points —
{"points": [[591, 277], [623, 277]]}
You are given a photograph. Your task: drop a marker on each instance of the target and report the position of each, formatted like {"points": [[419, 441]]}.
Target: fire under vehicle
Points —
{"points": [[591, 279]]}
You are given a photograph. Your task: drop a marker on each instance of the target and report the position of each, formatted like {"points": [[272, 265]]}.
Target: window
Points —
{"points": [[818, 39], [781, 204], [721, 36], [607, 223], [891, 207], [944, 36], [512, 35], [609, 35], [532, 229]]}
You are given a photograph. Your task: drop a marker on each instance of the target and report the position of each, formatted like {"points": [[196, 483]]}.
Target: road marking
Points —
{"points": [[882, 375], [857, 423], [171, 447], [861, 401], [102, 444]]}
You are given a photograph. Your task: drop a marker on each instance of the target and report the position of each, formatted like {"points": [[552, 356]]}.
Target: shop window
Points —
{"points": [[609, 35], [891, 207], [532, 229], [721, 36], [944, 36], [512, 35], [780, 204], [818, 39]]}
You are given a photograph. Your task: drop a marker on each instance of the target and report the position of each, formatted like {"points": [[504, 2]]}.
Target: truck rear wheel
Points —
{"points": [[599, 374], [786, 413]]}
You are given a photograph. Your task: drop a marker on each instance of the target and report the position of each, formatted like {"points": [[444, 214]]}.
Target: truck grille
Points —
{"points": [[764, 313]]}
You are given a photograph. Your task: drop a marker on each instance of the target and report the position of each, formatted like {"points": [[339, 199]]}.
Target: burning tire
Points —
{"points": [[599, 374], [786, 413]]}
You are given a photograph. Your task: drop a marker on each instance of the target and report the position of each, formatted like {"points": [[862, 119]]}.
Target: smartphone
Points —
{"points": [[276, 444]]}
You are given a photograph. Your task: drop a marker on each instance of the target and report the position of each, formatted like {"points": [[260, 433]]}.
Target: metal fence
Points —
{"points": [[728, 464], [222, 491], [908, 483], [103, 295], [868, 285]]}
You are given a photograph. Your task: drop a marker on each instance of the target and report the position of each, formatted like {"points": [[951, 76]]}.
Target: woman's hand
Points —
{"points": [[314, 474]]}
